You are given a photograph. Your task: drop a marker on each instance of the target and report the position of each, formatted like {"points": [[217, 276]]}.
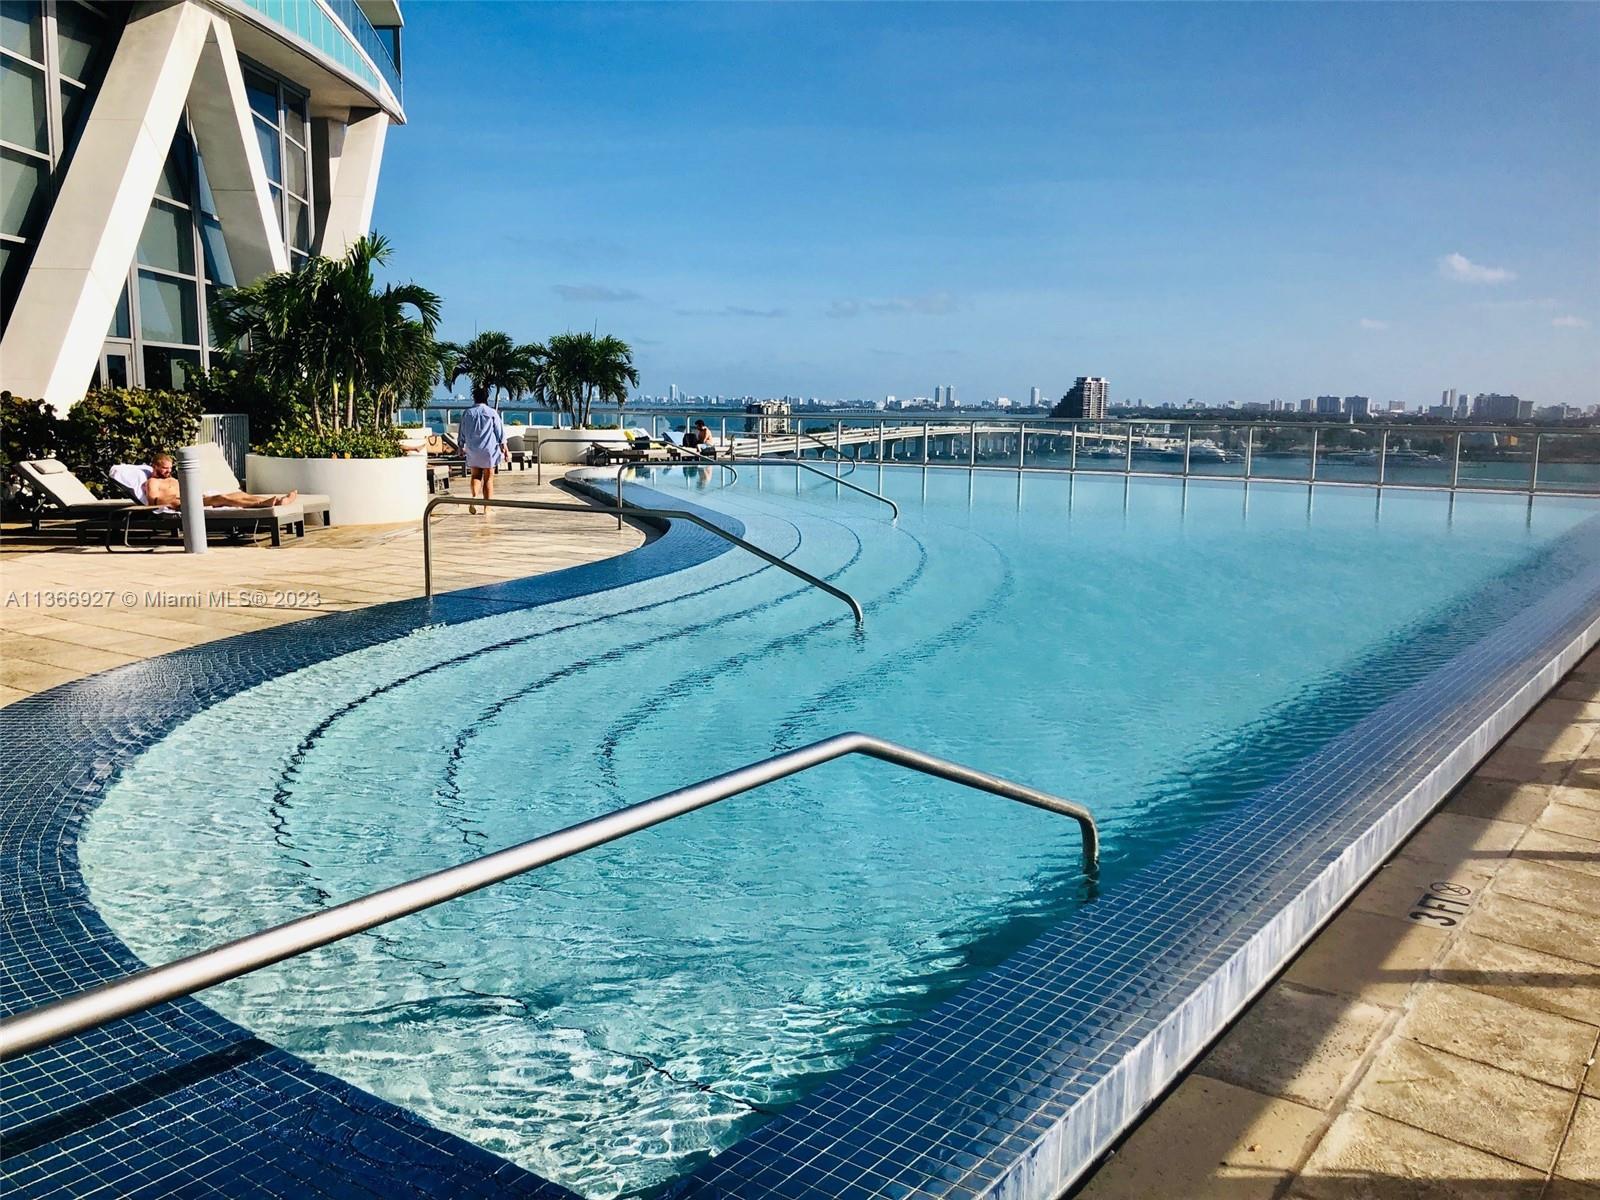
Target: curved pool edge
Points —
{"points": [[1016, 1086], [1012, 1088], [179, 1094]]}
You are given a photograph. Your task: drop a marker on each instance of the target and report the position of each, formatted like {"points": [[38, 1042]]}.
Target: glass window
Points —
{"points": [[24, 121], [267, 136], [169, 370], [295, 159], [74, 109], [174, 181], [208, 202], [299, 225], [79, 35], [263, 95], [167, 242], [22, 27], [13, 258], [211, 320], [115, 374], [121, 322], [294, 119], [22, 192], [219, 267], [167, 310], [277, 204]]}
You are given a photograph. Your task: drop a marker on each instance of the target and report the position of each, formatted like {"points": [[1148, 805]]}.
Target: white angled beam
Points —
{"points": [[52, 343], [219, 111], [353, 162]]}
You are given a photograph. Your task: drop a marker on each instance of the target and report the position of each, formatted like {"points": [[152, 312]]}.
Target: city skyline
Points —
{"points": [[1235, 203]]}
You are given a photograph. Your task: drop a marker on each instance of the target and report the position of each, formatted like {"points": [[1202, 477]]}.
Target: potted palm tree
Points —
{"points": [[576, 372], [338, 356]]}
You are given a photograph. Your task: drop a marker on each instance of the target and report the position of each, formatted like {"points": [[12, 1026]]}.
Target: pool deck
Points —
{"points": [[1438, 1039], [1450, 1054], [48, 640]]}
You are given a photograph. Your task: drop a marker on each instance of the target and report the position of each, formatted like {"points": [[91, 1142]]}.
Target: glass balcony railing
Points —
{"points": [[371, 41], [310, 22]]}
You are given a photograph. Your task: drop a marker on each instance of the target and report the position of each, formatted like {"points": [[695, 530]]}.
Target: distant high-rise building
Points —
{"points": [[1446, 411], [1448, 397], [1035, 397], [1307, 405], [888, 401], [1397, 406], [1492, 406], [672, 393], [1329, 406], [1005, 401], [1086, 400], [1359, 407], [1463, 406]]}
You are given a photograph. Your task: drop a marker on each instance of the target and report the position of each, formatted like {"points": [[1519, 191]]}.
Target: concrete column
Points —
{"points": [[353, 158], [219, 111], [52, 343]]}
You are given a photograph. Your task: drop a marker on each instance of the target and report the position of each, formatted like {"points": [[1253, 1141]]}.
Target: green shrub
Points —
{"points": [[232, 386], [28, 429], [305, 442], [125, 425]]}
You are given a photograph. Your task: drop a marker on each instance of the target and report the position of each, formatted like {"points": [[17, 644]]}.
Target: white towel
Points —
{"points": [[133, 477]]}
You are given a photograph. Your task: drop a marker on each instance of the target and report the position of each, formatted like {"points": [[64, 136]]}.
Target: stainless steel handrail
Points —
{"points": [[61, 1018], [538, 454], [676, 514], [836, 451], [796, 462]]}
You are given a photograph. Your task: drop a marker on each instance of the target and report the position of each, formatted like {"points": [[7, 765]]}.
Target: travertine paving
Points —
{"points": [[1438, 1040], [69, 610]]}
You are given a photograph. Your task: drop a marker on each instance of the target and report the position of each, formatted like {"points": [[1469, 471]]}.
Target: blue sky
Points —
{"points": [[1226, 202]]}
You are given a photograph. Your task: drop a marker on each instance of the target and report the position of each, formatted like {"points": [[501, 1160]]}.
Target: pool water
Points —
{"points": [[1155, 651]]}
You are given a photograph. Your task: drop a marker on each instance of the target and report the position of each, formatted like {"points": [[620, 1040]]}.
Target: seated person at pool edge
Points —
{"points": [[161, 488], [698, 437]]}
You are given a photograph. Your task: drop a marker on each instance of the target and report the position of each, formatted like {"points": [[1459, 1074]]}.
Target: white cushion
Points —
{"points": [[215, 473]]}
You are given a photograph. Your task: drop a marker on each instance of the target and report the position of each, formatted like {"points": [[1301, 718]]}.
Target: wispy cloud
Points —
{"points": [[1372, 323], [1458, 268], [930, 304], [735, 310], [594, 293], [1570, 322]]}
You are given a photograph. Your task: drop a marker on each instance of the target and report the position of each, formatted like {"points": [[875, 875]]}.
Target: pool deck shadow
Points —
{"points": [[1438, 1039]]}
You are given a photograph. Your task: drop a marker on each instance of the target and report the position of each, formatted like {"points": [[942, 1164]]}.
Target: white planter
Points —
{"points": [[563, 446], [360, 491]]}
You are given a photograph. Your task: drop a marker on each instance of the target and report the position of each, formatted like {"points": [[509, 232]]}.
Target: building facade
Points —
{"points": [[156, 152], [1491, 406], [1087, 400]]}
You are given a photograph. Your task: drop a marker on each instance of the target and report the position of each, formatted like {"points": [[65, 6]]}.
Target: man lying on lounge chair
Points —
{"points": [[161, 488]]}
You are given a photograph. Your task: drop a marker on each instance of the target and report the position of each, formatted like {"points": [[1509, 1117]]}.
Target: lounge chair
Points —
{"points": [[224, 518], [217, 476], [414, 440], [521, 455], [443, 452], [69, 500]]}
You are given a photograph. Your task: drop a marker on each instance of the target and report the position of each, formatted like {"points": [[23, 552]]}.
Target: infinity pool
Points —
{"points": [[1155, 651]]}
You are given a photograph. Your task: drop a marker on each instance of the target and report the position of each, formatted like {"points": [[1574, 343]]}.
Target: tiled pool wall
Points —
{"points": [[177, 1100], [1017, 1085], [1012, 1088]]}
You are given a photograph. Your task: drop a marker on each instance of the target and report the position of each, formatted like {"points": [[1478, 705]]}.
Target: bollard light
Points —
{"points": [[192, 500]]}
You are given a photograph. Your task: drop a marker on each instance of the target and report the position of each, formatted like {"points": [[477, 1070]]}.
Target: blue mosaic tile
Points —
{"points": [[1011, 1088], [177, 1101]]}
